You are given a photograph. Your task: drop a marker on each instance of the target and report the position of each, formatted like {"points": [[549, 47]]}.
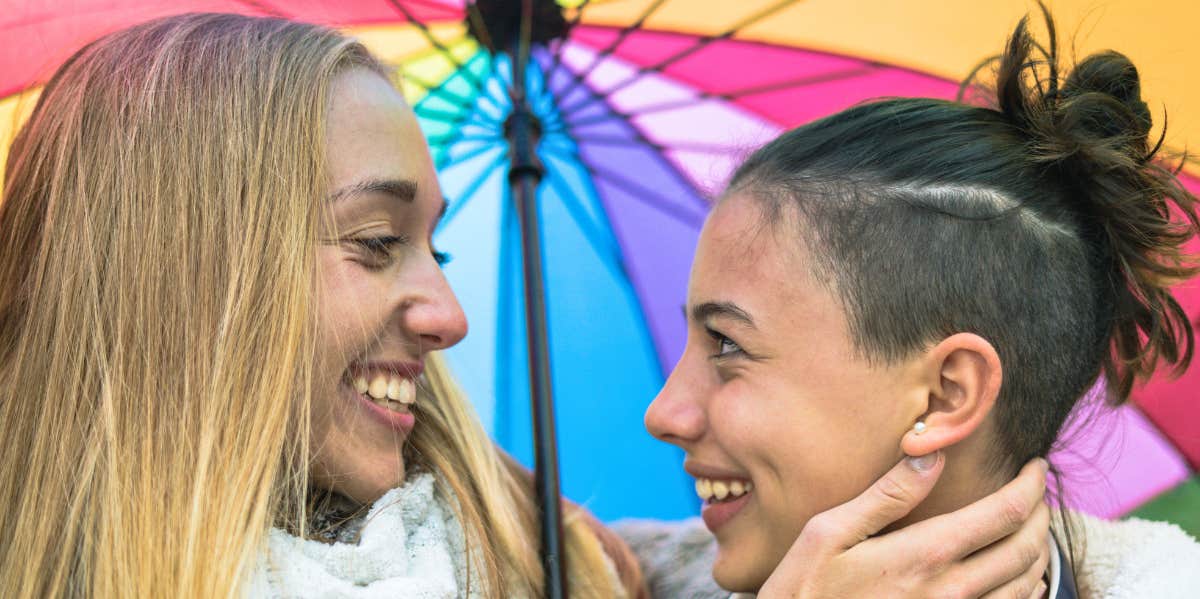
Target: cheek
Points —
{"points": [[808, 447], [349, 303]]}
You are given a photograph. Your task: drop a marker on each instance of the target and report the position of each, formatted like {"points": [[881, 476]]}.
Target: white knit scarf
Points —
{"points": [[411, 547]]}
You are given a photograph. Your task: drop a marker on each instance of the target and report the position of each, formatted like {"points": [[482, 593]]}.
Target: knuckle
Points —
{"points": [[1024, 588], [1013, 512], [818, 529], [1021, 591], [935, 558], [1030, 553], [893, 492], [952, 590]]}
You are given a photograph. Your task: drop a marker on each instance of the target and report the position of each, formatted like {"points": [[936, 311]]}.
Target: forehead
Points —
{"points": [[373, 134], [759, 265], [737, 242]]}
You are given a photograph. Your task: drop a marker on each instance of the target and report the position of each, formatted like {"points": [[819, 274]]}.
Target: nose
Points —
{"points": [[677, 415], [432, 312]]}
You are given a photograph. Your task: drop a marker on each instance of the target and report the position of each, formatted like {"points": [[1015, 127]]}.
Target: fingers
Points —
{"points": [[1020, 589], [891, 498], [992, 518], [1012, 567], [1030, 584]]}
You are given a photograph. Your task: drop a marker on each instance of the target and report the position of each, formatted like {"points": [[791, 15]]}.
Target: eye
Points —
{"points": [[726, 347], [442, 258], [378, 251]]}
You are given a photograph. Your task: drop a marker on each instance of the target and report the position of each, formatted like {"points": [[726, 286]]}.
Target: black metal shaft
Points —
{"points": [[524, 176]]}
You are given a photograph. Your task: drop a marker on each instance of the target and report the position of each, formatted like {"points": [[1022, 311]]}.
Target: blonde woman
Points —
{"points": [[218, 303], [178, 356]]}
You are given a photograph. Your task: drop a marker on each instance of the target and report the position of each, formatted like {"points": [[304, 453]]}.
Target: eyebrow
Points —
{"points": [[404, 190], [707, 310]]}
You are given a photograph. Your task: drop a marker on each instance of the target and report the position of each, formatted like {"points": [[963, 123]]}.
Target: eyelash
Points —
{"points": [[380, 249], [721, 341]]}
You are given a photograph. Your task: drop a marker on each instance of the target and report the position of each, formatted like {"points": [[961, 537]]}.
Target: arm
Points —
{"points": [[994, 548]]}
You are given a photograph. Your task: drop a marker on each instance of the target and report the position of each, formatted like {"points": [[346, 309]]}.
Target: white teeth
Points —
{"points": [[383, 388], [707, 488], [720, 490], [402, 390], [736, 489], [378, 388], [407, 392]]}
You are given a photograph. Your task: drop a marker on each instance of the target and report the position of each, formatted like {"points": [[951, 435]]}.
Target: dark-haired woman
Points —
{"points": [[219, 310], [915, 276]]}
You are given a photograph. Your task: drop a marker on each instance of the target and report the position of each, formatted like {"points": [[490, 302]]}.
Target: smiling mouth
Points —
{"points": [[722, 491], [388, 391]]}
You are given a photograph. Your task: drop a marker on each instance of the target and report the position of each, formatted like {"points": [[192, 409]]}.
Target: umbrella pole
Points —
{"points": [[524, 176]]}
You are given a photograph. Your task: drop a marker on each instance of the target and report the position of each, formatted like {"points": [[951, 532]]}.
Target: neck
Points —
{"points": [[965, 480]]}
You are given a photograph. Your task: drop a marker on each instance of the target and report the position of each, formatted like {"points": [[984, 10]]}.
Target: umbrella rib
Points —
{"points": [[556, 55], [700, 44], [457, 126], [459, 67], [440, 90], [483, 119], [462, 138], [435, 114], [734, 95], [589, 230], [801, 82], [423, 53], [428, 4], [456, 206], [646, 196], [265, 8], [482, 149], [543, 105], [638, 135], [622, 34], [612, 140], [477, 86], [436, 43]]}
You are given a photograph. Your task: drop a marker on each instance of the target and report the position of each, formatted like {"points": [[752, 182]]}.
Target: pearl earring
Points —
{"points": [[918, 428]]}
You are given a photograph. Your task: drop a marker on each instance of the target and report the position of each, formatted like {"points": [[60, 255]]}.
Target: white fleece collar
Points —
{"points": [[411, 547]]}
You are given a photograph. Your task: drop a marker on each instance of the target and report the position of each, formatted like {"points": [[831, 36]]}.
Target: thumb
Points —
{"points": [[891, 498]]}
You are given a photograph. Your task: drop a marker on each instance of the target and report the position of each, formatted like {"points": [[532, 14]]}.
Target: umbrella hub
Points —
{"points": [[523, 130], [496, 24]]}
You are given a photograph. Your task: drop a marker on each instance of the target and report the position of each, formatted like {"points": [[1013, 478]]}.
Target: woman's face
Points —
{"points": [[770, 401], [383, 300]]}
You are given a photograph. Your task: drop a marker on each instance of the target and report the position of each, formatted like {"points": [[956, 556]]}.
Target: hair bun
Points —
{"points": [[1102, 100], [1088, 121], [1087, 136]]}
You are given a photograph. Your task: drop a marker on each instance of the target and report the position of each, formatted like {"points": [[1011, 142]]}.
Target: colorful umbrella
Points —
{"points": [[645, 106]]}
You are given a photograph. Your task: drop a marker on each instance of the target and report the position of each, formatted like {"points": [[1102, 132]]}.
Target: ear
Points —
{"points": [[964, 376]]}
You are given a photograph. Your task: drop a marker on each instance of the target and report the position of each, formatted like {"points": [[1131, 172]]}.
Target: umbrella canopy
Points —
{"points": [[645, 106]]}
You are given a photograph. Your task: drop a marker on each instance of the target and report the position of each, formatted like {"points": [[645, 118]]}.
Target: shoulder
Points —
{"points": [[676, 557], [1135, 558]]}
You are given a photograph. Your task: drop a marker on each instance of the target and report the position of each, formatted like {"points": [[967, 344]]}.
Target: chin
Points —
{"points": [[363, 481], [740, 571], [370, 488]]}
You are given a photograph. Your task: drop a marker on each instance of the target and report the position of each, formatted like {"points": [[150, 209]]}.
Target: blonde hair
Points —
{"points": [[157, 257]]}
